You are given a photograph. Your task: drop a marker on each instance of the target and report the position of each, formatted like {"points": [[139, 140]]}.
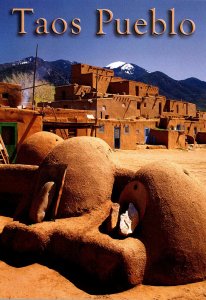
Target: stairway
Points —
{"points": [[4, 157]]}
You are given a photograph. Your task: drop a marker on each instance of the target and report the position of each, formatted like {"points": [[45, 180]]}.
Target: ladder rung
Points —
{"points": [[4, 157]]}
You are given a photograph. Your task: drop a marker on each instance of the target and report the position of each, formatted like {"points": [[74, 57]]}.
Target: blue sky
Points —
{"points": [[179, 56]]}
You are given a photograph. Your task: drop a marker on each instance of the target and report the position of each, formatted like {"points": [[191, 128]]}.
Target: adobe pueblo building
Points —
{"points": [[122, 112], [16, 124]]}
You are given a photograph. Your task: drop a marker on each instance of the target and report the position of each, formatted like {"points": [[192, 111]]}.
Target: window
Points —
{"points": [[101, 128], [138, 105], [63, 95], [126, 129], [72, 132], [160, 108], [8, 135], [104, 108], [5, 95], [177, 107], [145, 104]]}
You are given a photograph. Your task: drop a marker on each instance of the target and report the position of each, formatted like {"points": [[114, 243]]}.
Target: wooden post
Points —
{"points": [[34, 78]]}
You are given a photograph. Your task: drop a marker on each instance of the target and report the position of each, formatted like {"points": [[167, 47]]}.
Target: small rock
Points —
{"points": [[113, 217], [128, 221]]}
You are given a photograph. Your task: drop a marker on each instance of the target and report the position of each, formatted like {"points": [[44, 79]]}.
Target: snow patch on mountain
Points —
{"points": [[23, 62], [116, 64], [128, 68]]}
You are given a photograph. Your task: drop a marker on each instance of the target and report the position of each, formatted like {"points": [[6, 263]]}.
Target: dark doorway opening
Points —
{"points": [[117, 131]]}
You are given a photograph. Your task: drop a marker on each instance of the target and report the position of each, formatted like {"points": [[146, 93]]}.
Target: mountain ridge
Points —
{"points": [[58, 72], [190, 89]]}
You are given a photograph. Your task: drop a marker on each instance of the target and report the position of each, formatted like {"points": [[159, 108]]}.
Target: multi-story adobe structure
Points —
{"points": [[124, 113], [127, 113]]}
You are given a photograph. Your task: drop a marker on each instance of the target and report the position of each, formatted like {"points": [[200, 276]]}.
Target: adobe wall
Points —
{"points": [[142, 89], [191, 127], [28, 122], [179, 109], [84, 104], [79, 69], [93, 80], [201, 138], [17, 179], [158, 137], [170, 138], [118, 107], [119, 87], [191, 109], [92, 76], [117, 79], [176, 140], [140, 129], [132, 133], [152, 107], [129, 87], [172, 123], [66, 115], [10, 94], [70, 91], [201, 114]]}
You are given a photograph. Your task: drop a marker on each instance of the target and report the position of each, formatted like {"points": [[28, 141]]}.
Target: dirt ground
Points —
{"points": [[193, 160], [36, 280]]}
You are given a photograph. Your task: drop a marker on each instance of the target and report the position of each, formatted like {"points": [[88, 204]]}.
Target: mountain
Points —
{"points": [[191, 89], [127, 70], [58, 73]]}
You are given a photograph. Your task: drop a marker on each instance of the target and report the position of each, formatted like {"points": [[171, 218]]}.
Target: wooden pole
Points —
{"points": [[97, 76], [34, 78]]}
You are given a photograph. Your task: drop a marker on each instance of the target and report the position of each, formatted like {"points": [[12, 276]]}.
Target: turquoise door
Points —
{"points": [[8, 131]]}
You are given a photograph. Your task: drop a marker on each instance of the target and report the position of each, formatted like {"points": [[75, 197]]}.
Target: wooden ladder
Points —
{"points": [[4, 157]]}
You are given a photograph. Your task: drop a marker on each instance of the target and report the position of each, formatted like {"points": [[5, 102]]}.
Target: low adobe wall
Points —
{"points": [[170, 138], [16, 186], [201, 138]]}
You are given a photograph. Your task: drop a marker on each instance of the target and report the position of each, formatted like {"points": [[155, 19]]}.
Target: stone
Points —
{"points": [[113, 217], [42, 202], [128, 221]]}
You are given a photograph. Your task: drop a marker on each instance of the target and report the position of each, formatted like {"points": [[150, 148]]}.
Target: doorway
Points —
{"points": [[8, 131], [160, 108], [117, 131], [146, 135]]}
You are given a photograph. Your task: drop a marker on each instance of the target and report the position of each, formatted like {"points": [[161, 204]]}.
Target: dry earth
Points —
{"points": [[35, 280]]}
